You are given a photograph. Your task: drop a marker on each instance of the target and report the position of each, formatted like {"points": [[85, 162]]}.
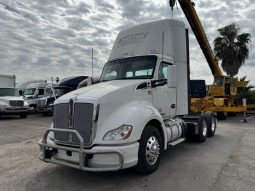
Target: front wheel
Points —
{"points": [[149, 150]]}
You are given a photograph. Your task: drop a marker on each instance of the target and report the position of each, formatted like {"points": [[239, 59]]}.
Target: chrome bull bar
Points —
{"points": [[82, 153]]}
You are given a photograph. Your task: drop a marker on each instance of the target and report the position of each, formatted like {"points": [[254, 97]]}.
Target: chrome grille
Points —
{"points": [[82, 122], [41, 102], [16, 103], [60, 121]]}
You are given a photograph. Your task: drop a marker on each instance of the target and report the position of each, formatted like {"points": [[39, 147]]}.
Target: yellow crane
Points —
{"points": [[221, 95]]}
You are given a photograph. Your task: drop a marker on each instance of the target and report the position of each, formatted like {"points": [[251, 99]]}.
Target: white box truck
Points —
{"points": [[11, 103], [138, 109]]}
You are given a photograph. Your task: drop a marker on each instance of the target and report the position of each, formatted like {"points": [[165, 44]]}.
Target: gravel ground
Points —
{"points": [[224, 162]]}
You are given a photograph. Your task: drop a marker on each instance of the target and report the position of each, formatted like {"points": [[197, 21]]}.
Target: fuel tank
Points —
{"points": [[175, 128]]}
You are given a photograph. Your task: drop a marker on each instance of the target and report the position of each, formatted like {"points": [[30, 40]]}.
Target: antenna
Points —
{"points": [[163, 38], [172, 4], [92, 63]]}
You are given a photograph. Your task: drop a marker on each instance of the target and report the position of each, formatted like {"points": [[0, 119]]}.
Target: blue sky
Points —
{"points": [[44, 38]]}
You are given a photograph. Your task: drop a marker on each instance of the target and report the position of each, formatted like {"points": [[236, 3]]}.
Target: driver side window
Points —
{"points": [[162, 72]]}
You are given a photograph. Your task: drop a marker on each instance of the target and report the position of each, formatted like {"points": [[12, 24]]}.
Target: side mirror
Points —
{"points": [[20, 93], [89, 82], [171, 76], [36, 94]]}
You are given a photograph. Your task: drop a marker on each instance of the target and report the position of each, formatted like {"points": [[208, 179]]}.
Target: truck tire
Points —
{"points": [[150, 149], [202, 130], [33, 108], [222, 115], [23, 115], [211, 123]]}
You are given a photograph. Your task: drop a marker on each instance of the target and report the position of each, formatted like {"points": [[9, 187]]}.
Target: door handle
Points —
{"points": [[172, 106]]}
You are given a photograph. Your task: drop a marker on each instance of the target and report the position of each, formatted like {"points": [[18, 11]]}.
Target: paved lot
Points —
{"points": [[224, 162]]}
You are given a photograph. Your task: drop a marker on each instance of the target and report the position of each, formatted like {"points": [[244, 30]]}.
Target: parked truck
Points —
{"points": [[11, 103], [23, 85], [45, 104], [36, 91], [139, 108]]}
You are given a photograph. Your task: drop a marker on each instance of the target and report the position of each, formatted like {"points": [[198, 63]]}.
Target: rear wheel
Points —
{"points": [[222, 115], [149, 150], [211, 123], [202, 129]]}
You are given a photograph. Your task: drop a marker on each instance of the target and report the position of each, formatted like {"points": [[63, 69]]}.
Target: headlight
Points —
{"points": [[3, 106], [121, 133], [51, 135], [25, 103]]}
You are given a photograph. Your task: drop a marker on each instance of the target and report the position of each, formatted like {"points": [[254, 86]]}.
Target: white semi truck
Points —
{"points": [[139, 108]]}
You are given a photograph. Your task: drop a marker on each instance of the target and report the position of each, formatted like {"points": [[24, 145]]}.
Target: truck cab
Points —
{"points": [[139, 107], [45, 104], [12, 104], [36, 91]]}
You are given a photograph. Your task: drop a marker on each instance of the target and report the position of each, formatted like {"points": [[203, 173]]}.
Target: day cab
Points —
{"points": [[138, 109]]}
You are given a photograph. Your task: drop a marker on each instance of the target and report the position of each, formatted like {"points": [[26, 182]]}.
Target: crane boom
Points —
{"points": [[194, 21]]}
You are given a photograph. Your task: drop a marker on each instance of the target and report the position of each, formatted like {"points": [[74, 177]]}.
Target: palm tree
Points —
{"points": [[231, 48], [246, 92]]}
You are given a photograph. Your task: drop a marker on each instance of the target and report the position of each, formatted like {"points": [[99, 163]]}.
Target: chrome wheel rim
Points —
{"points": [[213, 124], [204, 128], [152, 150]]}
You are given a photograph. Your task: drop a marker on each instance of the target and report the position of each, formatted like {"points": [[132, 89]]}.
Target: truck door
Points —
{"points": [[164, 98]]}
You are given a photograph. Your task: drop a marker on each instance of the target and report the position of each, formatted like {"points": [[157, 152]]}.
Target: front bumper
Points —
{"points": [[48, 109], [96, 159], [11, 110]]}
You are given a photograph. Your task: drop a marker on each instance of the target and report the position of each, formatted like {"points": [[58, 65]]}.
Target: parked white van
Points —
{"points": [[35, 91]]}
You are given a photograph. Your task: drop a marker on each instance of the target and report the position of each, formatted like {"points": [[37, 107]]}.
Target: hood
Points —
{"points": [[6, 99], [100, 90]]}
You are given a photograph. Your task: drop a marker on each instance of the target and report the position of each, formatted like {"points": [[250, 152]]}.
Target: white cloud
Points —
{"points": [[40, 39]]}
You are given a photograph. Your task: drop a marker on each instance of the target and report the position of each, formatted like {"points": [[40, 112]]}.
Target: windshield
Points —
{"points": [[60, 91], [30, 91], [8, 92], [218, 81], [130, 68]]}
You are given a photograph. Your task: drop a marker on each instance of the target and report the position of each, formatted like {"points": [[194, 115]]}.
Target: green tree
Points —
{"points": [[232, 48], [248, 92]]}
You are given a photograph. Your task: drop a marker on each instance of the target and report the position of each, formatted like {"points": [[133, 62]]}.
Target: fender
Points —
{"points": [[153, 114], [136, 113]]}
